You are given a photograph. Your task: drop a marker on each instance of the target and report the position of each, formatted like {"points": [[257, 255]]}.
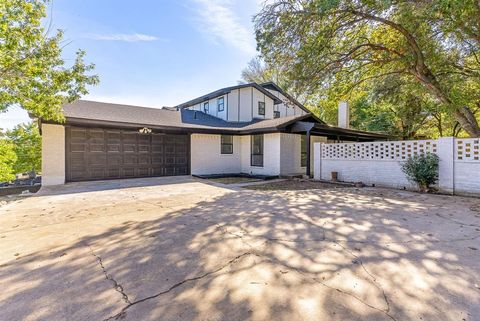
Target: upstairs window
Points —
{"points": [[261, 108], [256, 149], [276, 114], [221, 104], [227, 144], [205, 107], [303, 151]]}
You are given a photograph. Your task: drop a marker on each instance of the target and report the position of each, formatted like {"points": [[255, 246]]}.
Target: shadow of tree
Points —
{"points": [[342, 254]]}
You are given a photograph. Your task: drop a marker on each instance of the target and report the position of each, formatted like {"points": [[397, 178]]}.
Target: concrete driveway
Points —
{"points": [[181, 249]]}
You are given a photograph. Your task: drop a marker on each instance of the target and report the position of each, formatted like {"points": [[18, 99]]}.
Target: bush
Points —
{"points": [[422, 170]]}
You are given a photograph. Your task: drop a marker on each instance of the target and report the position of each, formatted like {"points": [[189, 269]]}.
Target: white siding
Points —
{"points": [[246, 104], [206, 156], [247, 98], [233, 105], [213, 107]]}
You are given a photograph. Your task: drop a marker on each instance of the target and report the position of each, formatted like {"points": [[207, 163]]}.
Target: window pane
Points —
{"points": [[226, 144], [303, 151], [261, 108], [205, 107], [227, 149], [220, 104], [257, 150], [227, 139]]}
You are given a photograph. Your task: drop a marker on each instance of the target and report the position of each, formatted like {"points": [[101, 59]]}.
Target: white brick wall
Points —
{"points": [[379, 163], [53, 154], [207, 159]]}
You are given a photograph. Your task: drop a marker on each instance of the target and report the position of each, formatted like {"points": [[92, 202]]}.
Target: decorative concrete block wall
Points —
{"points": [[379, 163]]}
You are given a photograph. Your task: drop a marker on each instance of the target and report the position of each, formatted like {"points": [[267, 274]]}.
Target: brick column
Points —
{"points": [[446, 153]]}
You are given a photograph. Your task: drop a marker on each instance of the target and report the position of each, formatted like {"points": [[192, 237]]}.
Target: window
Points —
{"points": [[205, 107], [227, 144], [303, 151], [276, 114], [261, 108], [256, 150], [220, 104]]}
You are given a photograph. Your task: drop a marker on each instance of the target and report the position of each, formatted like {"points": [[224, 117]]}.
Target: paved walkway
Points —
{"points": [[182, 249]]}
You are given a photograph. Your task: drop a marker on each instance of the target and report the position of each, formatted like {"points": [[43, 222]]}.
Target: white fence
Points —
{"points": [[379, 163]]}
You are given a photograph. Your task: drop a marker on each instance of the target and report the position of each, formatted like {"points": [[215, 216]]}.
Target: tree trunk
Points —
{"points": [[463, 115], [467, 121]]}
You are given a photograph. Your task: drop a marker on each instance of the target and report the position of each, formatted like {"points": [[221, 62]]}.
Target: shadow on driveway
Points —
{"points": [[337, 254]]}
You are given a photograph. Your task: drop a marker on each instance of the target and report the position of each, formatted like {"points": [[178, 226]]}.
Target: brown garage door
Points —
{"points": [[99, 153]]}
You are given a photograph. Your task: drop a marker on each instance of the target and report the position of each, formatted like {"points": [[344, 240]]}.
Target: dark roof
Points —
{"points": [[224, 91], [91, 112], [273, 86]]}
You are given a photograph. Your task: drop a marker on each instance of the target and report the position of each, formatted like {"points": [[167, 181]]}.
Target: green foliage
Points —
{"points": [[28, 147], [430, 47], [422, 169], [32, 72], [7, 160]]}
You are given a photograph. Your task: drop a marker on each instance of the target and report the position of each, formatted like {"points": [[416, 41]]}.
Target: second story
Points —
{"points": [[247, 102]]}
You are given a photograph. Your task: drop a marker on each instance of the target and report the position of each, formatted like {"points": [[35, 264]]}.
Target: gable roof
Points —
{"points": [[98, 113], [226, 90], [273, 86]]}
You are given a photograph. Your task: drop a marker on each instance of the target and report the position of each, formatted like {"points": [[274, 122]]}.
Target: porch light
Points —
{"points": [[145, 130]]}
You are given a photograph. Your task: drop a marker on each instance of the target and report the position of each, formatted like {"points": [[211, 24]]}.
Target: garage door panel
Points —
{"points": [[169, 148], [96, 153], [157, 149], [128, 172], [144, 148], [143, 171], [144, 159], [131, 159], [78, 133], [181, 170], [78, 147], [113, 148], [157, 159], [114, 160], [94, 147], [97, 172], [129, 148]]}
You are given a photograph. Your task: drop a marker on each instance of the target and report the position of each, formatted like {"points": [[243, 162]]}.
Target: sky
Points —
{"points": [[154, 53]]}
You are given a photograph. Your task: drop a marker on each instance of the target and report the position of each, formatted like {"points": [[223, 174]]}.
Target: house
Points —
{"points": [[255, 129]]}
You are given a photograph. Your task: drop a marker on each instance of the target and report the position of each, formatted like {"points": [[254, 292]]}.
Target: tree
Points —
{"points": [[32, 73], [28, 147], [259, 71], [7, 160], [432, 43]]}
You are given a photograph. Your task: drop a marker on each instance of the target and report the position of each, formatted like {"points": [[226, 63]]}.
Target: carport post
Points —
{"points": [[307, 141]]}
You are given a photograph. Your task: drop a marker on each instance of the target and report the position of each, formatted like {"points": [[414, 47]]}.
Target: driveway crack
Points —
{"points": [[108, 277], [315, 279], [373, 278], [123, 312]]}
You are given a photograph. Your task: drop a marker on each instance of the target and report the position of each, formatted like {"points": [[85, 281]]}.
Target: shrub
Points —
{"points": [[422, 170]]}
